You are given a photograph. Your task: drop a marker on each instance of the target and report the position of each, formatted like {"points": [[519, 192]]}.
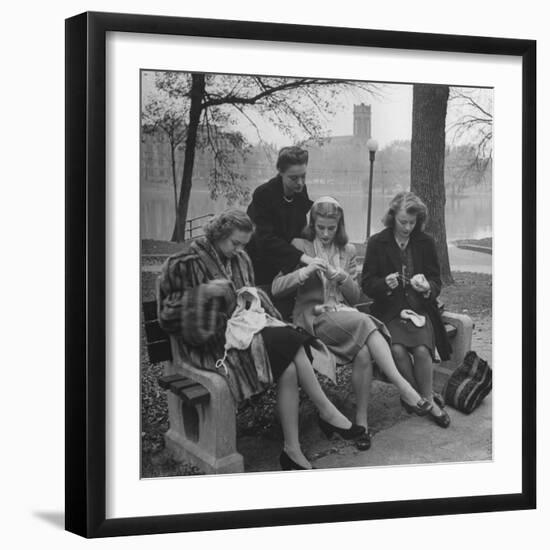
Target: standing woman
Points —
{"points": [[199, 288], [401, 274], [279, 210], [326, 291]]}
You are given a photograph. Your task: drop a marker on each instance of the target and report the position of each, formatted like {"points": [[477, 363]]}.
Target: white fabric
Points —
{"points": [[246, 322], [415, 318]]}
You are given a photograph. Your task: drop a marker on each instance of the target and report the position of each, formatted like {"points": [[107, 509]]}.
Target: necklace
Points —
{"points": [[287, 199], [402, 244]]}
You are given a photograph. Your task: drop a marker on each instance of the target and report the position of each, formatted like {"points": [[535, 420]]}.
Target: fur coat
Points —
{"points": [[188, 311]]}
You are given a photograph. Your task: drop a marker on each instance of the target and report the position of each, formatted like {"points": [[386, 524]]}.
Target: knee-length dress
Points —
{"points": [[383, 257], [404, 331]]}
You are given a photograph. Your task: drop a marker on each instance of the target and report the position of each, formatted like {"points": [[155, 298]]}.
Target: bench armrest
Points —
{"points": [[462, 342]]}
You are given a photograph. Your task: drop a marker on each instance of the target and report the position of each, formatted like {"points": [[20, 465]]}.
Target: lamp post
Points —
{"points": [[372, 146]]}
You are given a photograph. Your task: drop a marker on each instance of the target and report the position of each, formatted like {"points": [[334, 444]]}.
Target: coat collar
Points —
{"points": [[393, 251]]}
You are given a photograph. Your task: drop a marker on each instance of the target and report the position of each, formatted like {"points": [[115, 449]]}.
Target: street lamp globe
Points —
{"points": [[372, 145]]}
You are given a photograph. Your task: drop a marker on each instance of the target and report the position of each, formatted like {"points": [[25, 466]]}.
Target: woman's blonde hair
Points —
{"points": [[222, 225], [327, 210]]}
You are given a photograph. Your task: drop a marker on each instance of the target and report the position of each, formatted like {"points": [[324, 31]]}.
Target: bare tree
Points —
{"points": [[216, 105], [428, 162], [471, 114], [166, 115]]}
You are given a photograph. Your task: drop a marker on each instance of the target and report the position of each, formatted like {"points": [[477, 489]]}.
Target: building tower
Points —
{"points": [[362, 121]]}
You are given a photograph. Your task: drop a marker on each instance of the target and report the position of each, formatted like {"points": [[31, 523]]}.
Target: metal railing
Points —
{"points": [[190, 227]]}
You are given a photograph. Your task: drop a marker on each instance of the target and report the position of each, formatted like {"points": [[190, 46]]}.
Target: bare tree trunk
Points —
{"points": [[197, 95], [428, 162], [174, 180]]}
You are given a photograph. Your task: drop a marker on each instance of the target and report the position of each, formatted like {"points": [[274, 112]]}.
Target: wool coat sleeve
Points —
{"points": [[269, 237], [373, 278], [431, 267]]}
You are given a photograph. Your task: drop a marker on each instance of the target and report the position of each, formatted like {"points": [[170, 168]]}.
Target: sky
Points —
{"points": [[391, 115]]}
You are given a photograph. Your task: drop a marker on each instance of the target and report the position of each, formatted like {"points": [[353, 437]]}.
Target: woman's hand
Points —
{"points": [[316, 265], [337, 275], [306, 260], [420, 283], [392, 280]]}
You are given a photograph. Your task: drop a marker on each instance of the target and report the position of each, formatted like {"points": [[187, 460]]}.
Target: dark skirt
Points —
{"points": [[282, 344], [406, 333]]}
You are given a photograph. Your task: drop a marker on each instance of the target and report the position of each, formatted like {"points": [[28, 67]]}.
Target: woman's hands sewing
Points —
{"points": [[420, 283], [315, 265], [392, 280], [337, 275]]}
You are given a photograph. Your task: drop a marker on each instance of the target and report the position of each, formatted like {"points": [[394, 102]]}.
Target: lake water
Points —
{"points": [[467, 217]]}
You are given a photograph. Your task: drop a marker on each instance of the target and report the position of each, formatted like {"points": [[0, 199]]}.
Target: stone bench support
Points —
{"points": [[204, 434]]}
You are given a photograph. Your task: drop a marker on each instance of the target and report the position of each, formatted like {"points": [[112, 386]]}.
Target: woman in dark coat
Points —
{"points": [[198, 291], [401, 274], [278, 209]]}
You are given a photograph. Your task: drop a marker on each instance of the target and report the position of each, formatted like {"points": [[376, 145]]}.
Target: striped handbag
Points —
{"points": [[469, 384]]}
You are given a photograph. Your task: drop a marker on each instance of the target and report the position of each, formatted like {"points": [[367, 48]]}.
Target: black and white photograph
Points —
{"points": [[274, 274], [316, 273]]}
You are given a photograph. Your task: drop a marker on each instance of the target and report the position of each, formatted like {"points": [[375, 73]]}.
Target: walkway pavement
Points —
{"points": [[411, 440]]}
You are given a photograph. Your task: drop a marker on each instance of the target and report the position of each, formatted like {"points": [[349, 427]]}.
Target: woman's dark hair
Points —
{"points": [[327, 210], [411, 204], [222, 225], [289, 156]]}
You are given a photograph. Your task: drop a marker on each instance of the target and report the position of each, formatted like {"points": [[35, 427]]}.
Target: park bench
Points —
{"points": [[201, 408]]}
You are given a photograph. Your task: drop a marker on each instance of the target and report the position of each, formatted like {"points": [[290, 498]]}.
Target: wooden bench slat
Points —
{"points": [[165, 381], [159, 351], [187, 389], [178, 386], [195, 395], [149, 310], [154, 332]]}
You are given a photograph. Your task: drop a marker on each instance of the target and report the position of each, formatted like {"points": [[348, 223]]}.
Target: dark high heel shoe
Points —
{"points": [[288, 464], [422, 408], [438, 400], [353, 432], [443, 420], [364, 442]]}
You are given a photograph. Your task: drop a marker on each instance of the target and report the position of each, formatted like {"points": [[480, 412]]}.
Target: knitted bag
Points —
{"points": [[469, 384]]}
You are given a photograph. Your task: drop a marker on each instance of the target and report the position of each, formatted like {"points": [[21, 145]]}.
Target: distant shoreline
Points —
{"points": [[153, 247]]}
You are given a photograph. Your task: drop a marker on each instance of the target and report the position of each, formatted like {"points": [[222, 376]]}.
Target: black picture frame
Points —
{"points": [[86, 272]]}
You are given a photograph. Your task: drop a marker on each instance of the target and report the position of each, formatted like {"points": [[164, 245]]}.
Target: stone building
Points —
{"points": [[342, 160]]}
